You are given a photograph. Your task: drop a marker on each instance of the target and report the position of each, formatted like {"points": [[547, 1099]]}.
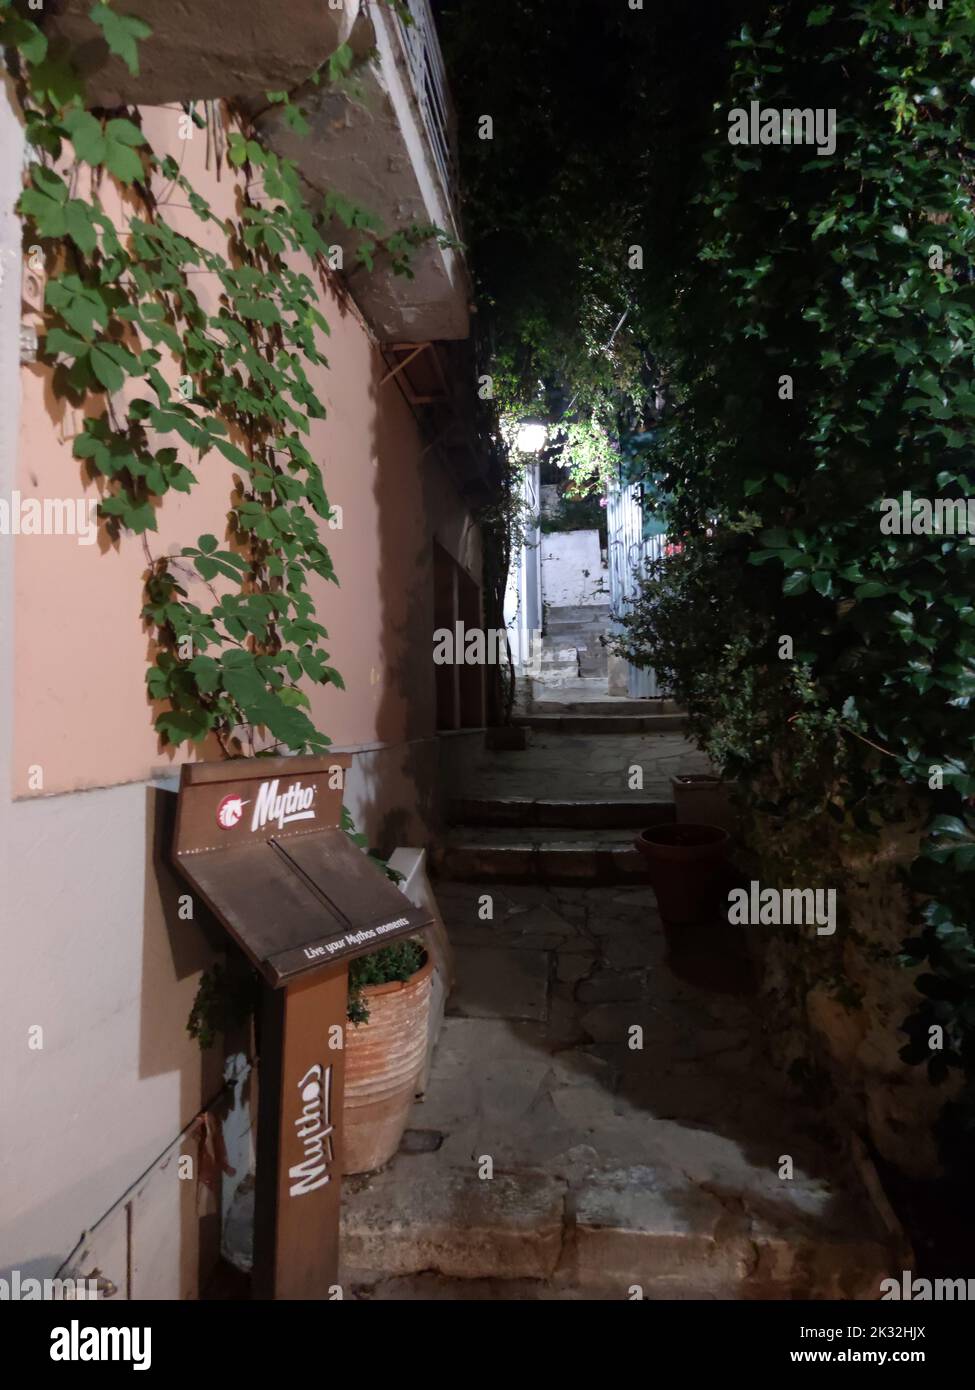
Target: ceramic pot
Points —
{"points": [[384, 1061], [684, 861]]}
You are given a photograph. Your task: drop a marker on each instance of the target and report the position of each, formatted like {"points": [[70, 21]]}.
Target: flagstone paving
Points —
{"points": [[596, 1125]]}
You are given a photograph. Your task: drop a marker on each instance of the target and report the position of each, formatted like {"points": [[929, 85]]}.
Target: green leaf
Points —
{"points": [[49, 182], [179, 726], [121, 34], [123, 132], [57, 80], [80, 225], [340, 62], [137, 515], [233, 454], [263, 310], [292, 696], [18, 32], [86, 136], [123, 162], [59, 341], [207, 673], [47, 215], [106, 369], [951, 826]]}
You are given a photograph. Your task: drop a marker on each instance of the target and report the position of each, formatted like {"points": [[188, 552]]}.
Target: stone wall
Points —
{"points": [[834, 1005]]}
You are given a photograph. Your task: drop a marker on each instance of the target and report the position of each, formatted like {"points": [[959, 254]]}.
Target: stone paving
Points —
{"points": [[554, 1158]]}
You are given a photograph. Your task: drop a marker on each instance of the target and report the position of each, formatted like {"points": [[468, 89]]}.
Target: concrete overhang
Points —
{"points": [[372, 138], [202, 49]]}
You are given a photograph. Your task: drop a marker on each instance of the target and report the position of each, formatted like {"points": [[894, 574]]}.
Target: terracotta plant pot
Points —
{"points": [[703, 800], [684, 862], [384, 1060]]}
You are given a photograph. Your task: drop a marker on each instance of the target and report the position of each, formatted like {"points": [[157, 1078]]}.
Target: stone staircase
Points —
{"points": [[570, 644], [579, 839], [555, 1157]]}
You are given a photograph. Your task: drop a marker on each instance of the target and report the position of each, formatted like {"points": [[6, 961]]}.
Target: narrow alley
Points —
{"points": [[487, 660]]}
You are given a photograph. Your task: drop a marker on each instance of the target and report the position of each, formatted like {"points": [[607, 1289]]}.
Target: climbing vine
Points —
{"points": [[177, 347]]}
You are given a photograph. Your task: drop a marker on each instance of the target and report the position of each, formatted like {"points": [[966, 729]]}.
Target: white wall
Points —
{"points": [[522, 600], [566, 556], [96, 957]]}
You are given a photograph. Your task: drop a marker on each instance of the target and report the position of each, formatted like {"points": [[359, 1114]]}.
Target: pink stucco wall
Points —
{"points": [[81, 713]]}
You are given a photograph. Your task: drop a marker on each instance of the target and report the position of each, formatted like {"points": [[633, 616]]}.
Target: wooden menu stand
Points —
{"points": [[259, 840]]}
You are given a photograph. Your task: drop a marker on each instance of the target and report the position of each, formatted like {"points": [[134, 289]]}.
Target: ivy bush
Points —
{"points": [[818, 357]]}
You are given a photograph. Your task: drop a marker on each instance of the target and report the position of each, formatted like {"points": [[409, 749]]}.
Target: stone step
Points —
{"points": [[558, 678], [578, 613], [645, 1228], [619, 706], [535, 855], [575, 636], [604, 723], [563, 632], [582, 815]]}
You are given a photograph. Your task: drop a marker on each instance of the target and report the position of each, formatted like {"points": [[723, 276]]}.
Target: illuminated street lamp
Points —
{"points": [[531, 437]]}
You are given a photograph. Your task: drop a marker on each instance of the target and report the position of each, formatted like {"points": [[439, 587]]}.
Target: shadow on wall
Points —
{"points": [[176, 948], [394, 794]]}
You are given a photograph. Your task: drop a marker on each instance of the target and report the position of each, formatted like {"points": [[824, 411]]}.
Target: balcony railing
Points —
{"points": [[421, 49]]}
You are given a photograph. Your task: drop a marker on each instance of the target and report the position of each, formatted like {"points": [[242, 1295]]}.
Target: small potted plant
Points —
{"points": [[385, 1050]]}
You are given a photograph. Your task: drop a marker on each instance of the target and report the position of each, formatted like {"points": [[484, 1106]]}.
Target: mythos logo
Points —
{"points": [[313, 1126], [281, 808], [230, 811]]}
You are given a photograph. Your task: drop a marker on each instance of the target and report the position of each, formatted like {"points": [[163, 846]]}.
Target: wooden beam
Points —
{"points": [[405, 363]]}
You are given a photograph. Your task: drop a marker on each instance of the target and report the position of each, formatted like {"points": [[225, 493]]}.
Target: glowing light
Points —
{"points": [[530, 438]]}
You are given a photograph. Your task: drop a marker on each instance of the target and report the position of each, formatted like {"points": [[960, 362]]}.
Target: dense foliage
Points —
{"points": [[817, 360], [570, 207]]}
